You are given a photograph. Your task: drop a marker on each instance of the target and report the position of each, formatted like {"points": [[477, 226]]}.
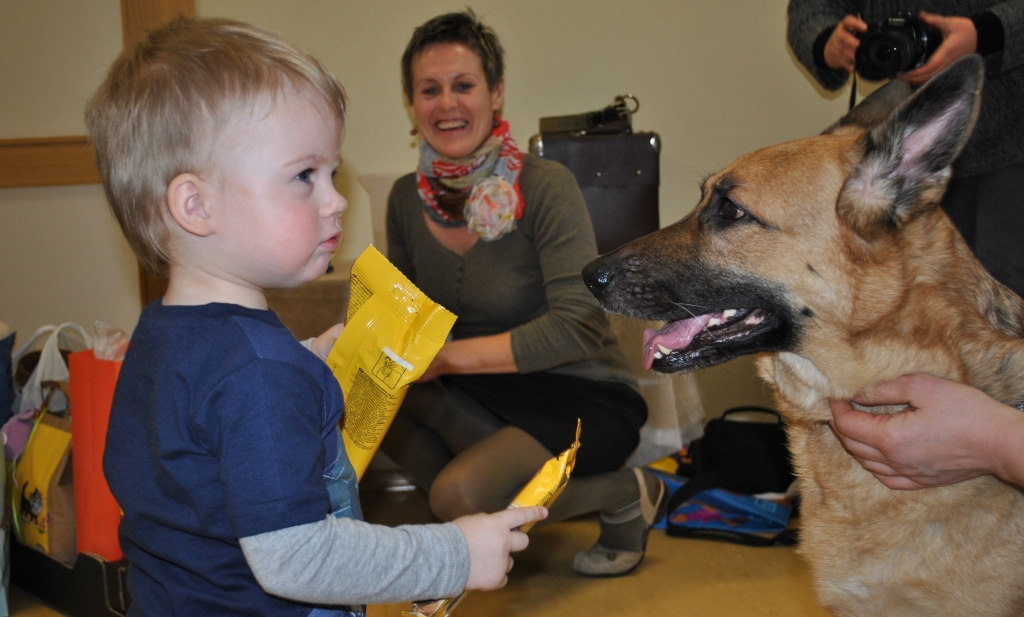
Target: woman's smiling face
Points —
{"points": [[451, 103]]}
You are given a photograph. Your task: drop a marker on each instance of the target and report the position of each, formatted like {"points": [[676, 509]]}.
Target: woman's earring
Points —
{"points": [[413, 132]]}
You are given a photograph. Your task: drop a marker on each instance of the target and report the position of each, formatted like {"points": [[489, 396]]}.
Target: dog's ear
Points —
{"points": [[906, 159], [876, 107]]}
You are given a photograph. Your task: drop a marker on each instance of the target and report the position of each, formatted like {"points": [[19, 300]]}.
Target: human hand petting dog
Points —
{"points": [[948, 433]]}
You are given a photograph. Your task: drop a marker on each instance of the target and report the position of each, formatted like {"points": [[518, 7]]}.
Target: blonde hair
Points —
{"points": [[156, 114]]}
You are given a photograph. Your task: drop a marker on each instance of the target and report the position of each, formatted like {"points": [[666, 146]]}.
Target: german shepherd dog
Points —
{"points": [[832, 258]]}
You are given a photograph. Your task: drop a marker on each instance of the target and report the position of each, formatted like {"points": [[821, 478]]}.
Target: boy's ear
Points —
{"points": [[186, 203]]}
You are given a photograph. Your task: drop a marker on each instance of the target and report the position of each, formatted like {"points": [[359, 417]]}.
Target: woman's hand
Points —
{"points": [[323, 344], [959, 38], [948, 433], [841, 48], [482, 354]]}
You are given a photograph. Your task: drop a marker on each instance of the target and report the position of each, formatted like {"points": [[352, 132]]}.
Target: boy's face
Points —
{"points": [[279, 211]]}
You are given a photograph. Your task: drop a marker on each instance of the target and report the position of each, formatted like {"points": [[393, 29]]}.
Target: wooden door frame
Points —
{"points": [[59, 161]]}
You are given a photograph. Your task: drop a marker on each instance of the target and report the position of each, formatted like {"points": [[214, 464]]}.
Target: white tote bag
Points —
{"points": [[51, 365]]}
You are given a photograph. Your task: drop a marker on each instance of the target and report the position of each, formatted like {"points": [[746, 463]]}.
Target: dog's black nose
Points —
{"points": [[596, 277]]}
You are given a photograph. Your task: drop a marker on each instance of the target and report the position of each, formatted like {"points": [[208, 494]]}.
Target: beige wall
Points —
{"points": [[715, 79]]}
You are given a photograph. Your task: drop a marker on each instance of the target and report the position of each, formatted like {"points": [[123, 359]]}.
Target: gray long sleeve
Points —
{"points": [[344, 561]]}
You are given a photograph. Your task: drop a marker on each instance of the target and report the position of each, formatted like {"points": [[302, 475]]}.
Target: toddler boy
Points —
{"points": [[217, 143]]}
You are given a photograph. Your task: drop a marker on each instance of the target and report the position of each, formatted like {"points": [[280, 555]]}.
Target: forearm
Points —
{"points": [[1006, 439], [345, 561], [482, 354]]}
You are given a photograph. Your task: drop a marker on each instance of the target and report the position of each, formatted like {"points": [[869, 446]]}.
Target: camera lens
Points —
{"points": [[884, 54]]}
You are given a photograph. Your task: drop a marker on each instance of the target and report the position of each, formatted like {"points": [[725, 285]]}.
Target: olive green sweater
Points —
{"points": [[526, 282]]}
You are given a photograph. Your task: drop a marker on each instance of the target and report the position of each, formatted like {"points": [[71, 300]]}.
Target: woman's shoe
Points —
{"points": [[602, 561]]}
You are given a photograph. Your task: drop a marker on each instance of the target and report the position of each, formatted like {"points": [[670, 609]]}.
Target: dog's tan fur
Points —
{"points": [[886, 299]]}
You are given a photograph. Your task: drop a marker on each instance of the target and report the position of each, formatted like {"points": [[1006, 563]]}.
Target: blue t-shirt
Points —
{"points": [[223, 426]]}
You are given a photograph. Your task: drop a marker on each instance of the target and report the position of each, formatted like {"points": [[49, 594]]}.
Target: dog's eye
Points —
{"points": [[731, 211]]}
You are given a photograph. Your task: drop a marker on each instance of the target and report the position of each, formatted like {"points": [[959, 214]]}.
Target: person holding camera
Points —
{"points": [[500, 237], [985, 197]]}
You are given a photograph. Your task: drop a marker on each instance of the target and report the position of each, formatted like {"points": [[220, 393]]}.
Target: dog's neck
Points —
{"points": [[951, 319]]}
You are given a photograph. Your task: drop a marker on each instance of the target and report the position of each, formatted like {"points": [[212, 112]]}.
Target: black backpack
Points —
{"points": [[744, 451]]}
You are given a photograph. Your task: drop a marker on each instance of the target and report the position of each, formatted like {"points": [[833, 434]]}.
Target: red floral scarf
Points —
{"points": [[480, 190]]}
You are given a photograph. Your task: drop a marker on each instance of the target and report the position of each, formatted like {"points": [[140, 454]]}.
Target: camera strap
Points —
{"points": [[853, 91]]}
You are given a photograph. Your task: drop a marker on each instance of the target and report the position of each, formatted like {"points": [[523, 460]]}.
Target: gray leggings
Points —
{"points": [[468, 460]]}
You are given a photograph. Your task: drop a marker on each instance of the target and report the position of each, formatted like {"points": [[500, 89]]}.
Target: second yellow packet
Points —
{"points": [[392, 333], [542, 490]]}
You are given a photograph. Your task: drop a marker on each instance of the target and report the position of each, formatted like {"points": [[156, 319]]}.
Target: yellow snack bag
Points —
{"points": [[542, 490], [392, 333]]}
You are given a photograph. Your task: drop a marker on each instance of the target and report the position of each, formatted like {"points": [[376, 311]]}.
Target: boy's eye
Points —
{"points": [[305, 175]]}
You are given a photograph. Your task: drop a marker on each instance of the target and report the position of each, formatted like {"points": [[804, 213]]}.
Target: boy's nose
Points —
{"points": [[336, 204]]}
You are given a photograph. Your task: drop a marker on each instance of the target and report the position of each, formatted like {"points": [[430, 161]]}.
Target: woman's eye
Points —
{"points": [[428, 91], [463, 86], [731, 211]]}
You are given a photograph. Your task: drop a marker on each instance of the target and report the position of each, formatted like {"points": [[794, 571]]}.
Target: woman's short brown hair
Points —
{"points": [[464, 28], [157, 113]]}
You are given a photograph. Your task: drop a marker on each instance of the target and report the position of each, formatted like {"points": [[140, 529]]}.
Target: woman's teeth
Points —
{"points": [[445, 125]]}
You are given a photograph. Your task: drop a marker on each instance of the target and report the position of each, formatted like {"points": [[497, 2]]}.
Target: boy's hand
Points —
{"points": [[491, 539], [322, 344]]}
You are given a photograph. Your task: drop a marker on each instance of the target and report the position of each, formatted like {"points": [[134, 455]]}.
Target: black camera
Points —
{"points": [[894, 45]]}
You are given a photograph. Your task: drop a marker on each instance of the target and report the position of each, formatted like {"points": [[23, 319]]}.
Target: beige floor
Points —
{"points": [[686, 578], [678, 577]]}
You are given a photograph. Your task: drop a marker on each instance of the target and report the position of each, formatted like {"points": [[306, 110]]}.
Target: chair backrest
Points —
{"points": [[379, 187], [619, 176]]}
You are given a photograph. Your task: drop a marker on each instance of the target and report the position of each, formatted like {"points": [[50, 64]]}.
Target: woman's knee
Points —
{"points": [[455, 493]]}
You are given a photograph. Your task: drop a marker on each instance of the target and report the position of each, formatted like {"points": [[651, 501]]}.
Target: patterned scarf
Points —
{"points": [[480, 190]]}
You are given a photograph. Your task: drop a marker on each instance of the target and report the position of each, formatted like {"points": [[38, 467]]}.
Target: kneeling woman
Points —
{"points": [[499, 238]]}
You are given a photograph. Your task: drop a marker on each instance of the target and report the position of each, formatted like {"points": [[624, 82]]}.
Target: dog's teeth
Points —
{"points": [[714, 321], [753, 320], [664, 350], [658, 355], [726, 314]]}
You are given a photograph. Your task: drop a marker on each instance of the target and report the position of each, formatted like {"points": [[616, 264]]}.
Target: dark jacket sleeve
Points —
{"points": [[809, 20], [1011, 16]]}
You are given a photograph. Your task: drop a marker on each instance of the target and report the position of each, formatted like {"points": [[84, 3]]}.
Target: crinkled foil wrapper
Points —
{"points": [[542, 490]]}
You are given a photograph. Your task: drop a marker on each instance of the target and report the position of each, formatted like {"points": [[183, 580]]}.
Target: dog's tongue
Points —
{"points": [[675, 335]]}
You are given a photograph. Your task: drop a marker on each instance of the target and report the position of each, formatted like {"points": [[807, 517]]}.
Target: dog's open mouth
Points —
{"points": [[687, 337]]}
